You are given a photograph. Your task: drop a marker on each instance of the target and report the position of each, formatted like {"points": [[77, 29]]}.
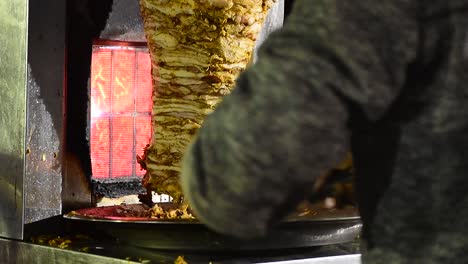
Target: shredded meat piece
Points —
{"points": [[180, 260], [180, 213]]}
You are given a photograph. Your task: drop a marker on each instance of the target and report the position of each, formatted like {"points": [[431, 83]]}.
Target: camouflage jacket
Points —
{"points": [[387, 80]]}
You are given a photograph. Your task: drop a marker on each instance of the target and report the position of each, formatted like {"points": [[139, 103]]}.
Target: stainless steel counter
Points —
{"points": [[346, 259], [12, 251]]}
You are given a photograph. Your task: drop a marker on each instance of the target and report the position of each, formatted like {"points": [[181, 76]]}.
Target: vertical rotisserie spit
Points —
{"points": [[198, 48]]}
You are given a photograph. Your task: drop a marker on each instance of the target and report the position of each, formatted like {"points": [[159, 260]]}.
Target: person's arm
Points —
{"points": [[285, 123]]}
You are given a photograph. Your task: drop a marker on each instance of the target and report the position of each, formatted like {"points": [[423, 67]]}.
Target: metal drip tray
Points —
{"points": [[324, 227]]}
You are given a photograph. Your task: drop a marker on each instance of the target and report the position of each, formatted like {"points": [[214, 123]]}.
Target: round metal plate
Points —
{"points": [[309, 228]]}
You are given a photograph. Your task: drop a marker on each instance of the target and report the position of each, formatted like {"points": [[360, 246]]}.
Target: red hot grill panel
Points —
{"points": [[120, 110]]}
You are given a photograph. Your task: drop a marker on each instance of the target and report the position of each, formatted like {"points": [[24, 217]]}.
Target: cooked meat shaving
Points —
{"points": [[158, 212]]}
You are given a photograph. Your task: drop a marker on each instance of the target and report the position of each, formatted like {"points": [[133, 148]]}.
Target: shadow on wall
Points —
{"points": [[51, 60], [86, 19]]}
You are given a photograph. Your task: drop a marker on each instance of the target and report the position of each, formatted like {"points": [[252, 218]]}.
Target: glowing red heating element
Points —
{"points": [[120, 110]]}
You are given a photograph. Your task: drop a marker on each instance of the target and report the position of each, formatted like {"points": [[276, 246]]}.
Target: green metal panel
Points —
{"points": [[13, 65]]}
